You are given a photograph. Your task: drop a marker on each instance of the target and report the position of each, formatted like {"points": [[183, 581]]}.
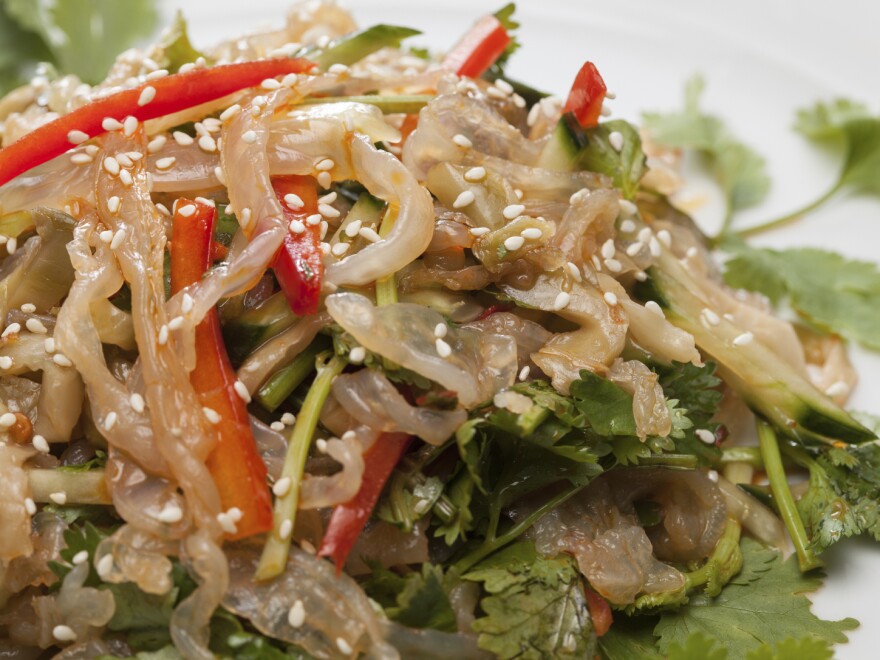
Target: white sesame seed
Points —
{"points": [[357, 354], [314, 219], [242, 391], [479, 231], [339, 249], [77, 137], [59, 498], [36, 326], [64, 633], [574, 271], [562, 300], [118, 238], [504, 86], [475, 174], [156, 144], [328, 211], [692, 252], [166, 163], [206, 202], [608, 249], [276, 426], [282, 486], [129, 126], [532, 233], [148, 93], [514, 243], [464, 198], [296, 617], [288, 419], [524, 372], [634, 249], [645, 234], [837, 389], [325, 248], [207, 144], [296, 227], [370, 234], [92, 149], [513, 211], [155, 75], [125, 178], [321, 444], [187, 210], [627, 208], [325, 165], [744, 339], [186, 303], [613, 265], [113, 204], [183, 139], [462, 141], [123, 160], [440, 330], [285, 530], [665, 237], [652, 306], [443, 349], [211, 415], [105, 565], [163, 335], [30, 506], [230, 112], [110, 420], [6, 362], [627, 226], [62, 360], [610, 298], [245, 216], [226, 523], [324, 179], [176, 323], [293, 201], [654, 247], [579, 196], [111, 165], [338, 69], [80, 557], [710, 317], [705, 436], [615, 139], [270, 84], [137, 402], [235, 514], [80, 159], [40, 444], [352, 228], [713, 476], [533, 115], [110, 124], [343, 646], [11, 245], [11, 329], [7, 420], [171, 513]]}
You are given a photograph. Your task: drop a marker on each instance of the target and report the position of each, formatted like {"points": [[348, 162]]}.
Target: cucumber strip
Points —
{"points": [[356, 46], [284, 381], [404, 104], [254, 327]]}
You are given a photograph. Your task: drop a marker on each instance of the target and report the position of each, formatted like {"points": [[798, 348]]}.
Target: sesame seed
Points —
{"points": [[171, 513], [11, 245], [155, 75], [176, 323], [125, 178], [245, 216], [64, 633], [148, 93], [242, 391], [49, 344], [105, 565], [60, 497], [744, 339], [338, 68], [495, 93], [514, 243], [80, 159], [440, 330], [296, 227], [36, 326], [80, 557], [118, 237], [163, 335], [314, 219], [562, 300], [7, 420], [30, 506], [113, 204], [710, 317], [111, 165], [513, 211], [838, 389], [183, 139], [339, 249], [207, 144], [40, 444], [475, 174], [321, 444], [634, 249], [62, 360], [464, 198], [11, 329], [324, 179], [665, 237], [297, 615], [282, 486], [627, 226], [293, 201], [608, 249], [343, 646], [533, 115], [705, 436], [110, 420], [325, 248], [462, 141], [92, 149], [443, 349], [129, 126], [230, 112], [77, 137], [137, 402], [692, 252], [226, 523], [369, 234], [187, 303], [285, 530], [504, 86], [270, 84], [479, 231], [645, 234], [166, 163], [328, 211], [524, 372], [654, 247], [352, 228], [187, 210], [156, 144], [288, 419], [610, 298], [652, 306], [574, 271], [110, 124], [532, 232], [206, 201], [606, 110], [579, 196], [276, 426], [613, 265], [357, 355], [211, 415], [329, 198], [615, 139], [713, 476], [627, 207], [6, 362], [325, 165]]}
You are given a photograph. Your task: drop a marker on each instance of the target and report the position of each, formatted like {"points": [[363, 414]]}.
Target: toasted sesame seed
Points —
{"points": [[64, 633], [339, 249], [837, 389], [634, 249], [613, 265], [285, 530], [113, 204], [627, 226], [440, 330], [608, 249], [156, 144], [513, 211], [171, 513], [652, 306], [610, 298], [615, 139], [562, 300], [475, 174], [11, 329], [187, 210], [40, 444], [705, 436], [111, 165], [524, 372], [207, 144], [357, 354], [370, 234], [183, 139], [744, 339], [129, 126], [464, 198], [574, 271], [62, 360], [314, 219], [710, 317], [462, 141], [110, 420], [443, 349], [77, 137], [110, 124], [242, 391], [324, 179], [30, 506], [166, 163], [59, 497], [479, 231], [288, 419], [7, 420], [6, 362], [118, 238], [296, 227], [296, 617], [282, 486]]}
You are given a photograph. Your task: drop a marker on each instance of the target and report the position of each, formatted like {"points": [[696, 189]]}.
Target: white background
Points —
{"points": [[762, 60]]}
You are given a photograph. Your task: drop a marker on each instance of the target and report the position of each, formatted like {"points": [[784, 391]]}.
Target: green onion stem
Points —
{"points": [[274, 557], [284, 381], [769, 445]]}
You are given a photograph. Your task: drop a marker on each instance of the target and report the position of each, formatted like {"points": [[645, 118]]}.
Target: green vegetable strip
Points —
{"points": [[386, 288], [769, 445], [355, 47], [79, 487], [284, 381], [275, 552], [405, 104]]}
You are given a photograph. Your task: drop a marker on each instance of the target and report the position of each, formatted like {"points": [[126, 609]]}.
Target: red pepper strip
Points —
{"points": [[586, 96], [600, 612], [173, 93], [494, 309], [478, 49], [235, 465], [299, 264], [348, 520]]}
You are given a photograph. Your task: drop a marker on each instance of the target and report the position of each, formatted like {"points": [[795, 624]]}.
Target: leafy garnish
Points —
{"points": [[625, 167], [97, 463], [419, 600], [698, 646], [829, 291], [177, 49], [536, 606], [505, 17], [764, 604]]}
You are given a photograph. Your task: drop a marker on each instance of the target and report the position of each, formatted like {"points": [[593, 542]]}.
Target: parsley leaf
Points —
{"points": [[536, 607], [739, 170], [764, 604], [829, 291]]}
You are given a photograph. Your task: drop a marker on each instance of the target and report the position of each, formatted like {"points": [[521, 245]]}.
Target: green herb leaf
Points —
{"points": [[606, 405], [806, 648], [20, 51], [627, 166], [99, 462], [177, 49], [630, 637], [829, 291], [505, 16], [698, 646], [764, 604]]}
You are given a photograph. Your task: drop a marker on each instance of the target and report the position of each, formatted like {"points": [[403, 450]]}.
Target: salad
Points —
{"points": [[316, 344]]}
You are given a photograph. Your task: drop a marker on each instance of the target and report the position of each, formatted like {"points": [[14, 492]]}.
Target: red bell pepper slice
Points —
{"points": [[235, 465], [586, 96], [173, 93], [478, 49], [299, 265], [600, 612], [347, 520]]}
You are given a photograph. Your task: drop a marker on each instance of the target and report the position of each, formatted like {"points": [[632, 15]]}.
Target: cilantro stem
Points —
{"points": [[487, 548], [750, 455], [277, 547], [284, 381], [681, 461], [787, 219], [769, 445]]}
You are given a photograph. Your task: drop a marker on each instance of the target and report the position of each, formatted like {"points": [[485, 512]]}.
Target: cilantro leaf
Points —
{"points": [[536, 607], [418, 600], [807, 648], [764, 604], [698, 646], [627, 166], [739, 170], [829, 291], [630, 637], [607, 405]]}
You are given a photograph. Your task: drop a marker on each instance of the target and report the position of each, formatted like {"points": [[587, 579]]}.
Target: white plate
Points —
{"points": [[761, 60]]}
